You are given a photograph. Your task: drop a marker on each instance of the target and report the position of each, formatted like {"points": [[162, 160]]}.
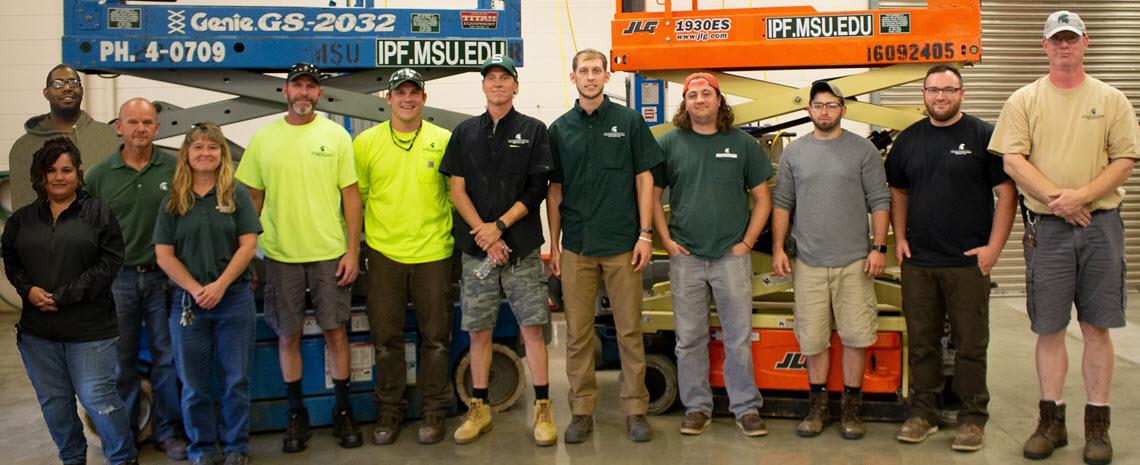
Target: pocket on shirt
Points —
{"points": [[726, 171], [427, 167], [615, 153]]}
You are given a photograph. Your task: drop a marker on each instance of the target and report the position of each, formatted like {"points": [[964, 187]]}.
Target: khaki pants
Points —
{"points": [[580, 292]]}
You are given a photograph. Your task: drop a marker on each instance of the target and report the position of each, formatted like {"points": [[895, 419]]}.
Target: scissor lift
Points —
{"points": [[897, 46], [232, 50]]}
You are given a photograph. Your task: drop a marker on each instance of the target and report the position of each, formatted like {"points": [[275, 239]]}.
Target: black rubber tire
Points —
{"points": [[506, 383], [661, 381]]}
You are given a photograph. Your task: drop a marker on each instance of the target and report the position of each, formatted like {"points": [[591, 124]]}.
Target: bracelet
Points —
{"points": [[643, 238]]}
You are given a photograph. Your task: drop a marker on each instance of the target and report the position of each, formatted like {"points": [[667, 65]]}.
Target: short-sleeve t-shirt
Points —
{"points": [[1070, 135], [407, 208], [205, 238], [950, 177], [301, 169], [709, 176], [597, 157]]}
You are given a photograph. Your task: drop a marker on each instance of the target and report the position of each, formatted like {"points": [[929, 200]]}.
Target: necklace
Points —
{"points": [[404, 144]]}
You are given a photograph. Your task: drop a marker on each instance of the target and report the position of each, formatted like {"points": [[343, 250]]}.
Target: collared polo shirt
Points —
{"points": [[709, 177], [205, 238], [134, 196], [596, 158], [501, 164]]}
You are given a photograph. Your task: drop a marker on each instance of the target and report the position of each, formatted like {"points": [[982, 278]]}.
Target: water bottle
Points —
{"points": [[484, 268]]}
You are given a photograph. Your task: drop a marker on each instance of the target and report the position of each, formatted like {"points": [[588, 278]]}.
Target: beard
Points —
{"points": [[302, 107], [826, 127], [944, 116]]}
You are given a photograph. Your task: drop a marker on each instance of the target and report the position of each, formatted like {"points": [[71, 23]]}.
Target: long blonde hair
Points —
{"points": [[181, 191]]}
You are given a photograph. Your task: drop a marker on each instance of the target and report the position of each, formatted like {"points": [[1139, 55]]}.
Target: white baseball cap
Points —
{"points": [[1064, 21]]}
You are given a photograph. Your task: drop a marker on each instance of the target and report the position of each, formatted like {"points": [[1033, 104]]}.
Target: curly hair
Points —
{"points": [[45, 158], [182, 189], [725, 118]]}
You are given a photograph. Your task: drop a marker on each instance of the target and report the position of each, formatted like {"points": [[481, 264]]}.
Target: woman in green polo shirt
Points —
{"points": [[204, 238]]}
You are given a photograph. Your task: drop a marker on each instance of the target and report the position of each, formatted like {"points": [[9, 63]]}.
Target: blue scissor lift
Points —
{"points": [[234, 50]]}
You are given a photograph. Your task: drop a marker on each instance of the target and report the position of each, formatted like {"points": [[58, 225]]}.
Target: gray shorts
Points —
{"points": [[285, 295], [1067, 265], [522, 283]]}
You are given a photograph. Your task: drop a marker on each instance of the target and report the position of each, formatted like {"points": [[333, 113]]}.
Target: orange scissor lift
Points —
{"points": [[896, 46]]}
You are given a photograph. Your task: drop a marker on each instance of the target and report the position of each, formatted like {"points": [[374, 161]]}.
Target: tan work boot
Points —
{"points": [[545, 432], [476, 422], [817, 417], [1050, 432], [850, 423], [969, 438], [915, 430], [1098, 447]]}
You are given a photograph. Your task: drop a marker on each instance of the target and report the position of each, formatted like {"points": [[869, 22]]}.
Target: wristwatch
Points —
{"points": [[880, 248], [645, 230], [501, 225]]}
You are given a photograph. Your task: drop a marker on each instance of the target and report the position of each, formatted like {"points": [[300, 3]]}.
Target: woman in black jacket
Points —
{"points": [[61, 253]]}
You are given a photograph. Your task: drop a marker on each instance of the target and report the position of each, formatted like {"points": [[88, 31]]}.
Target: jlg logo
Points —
{"points": [[792, 361], [640, 26]]}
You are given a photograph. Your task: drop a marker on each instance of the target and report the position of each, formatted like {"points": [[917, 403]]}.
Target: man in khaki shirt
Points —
{"points": [[1069, 141]]}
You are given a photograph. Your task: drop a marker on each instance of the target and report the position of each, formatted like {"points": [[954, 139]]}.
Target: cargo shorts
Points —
{"points": [[523, 283]]}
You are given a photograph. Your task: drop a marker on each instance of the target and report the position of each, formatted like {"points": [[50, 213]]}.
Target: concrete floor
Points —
{"points": [[24, 439]]}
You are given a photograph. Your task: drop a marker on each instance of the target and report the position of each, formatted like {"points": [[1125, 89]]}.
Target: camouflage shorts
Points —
{"points": [[522, 283]]}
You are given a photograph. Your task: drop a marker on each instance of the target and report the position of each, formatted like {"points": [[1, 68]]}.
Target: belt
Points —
{"points": [[1049, 216], [144, 268]]}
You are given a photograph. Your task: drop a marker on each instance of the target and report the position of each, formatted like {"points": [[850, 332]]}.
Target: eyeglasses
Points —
{"points": [[73, 83], [1064, 39], [829, 105], [940, 90]]}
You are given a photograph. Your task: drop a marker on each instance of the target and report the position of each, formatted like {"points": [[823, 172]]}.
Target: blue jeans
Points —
{"points": [[218, 344], [62, 371], [140, 299], [730, 280]]}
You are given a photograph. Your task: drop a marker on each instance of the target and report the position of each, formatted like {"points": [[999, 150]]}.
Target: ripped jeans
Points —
{"points": [[62, 371]]}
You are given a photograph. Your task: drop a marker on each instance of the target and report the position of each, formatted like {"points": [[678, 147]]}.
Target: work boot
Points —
{"points": [[476, 422], [752, 425], [545, 432], [297, 433], [387, 428], [637, 426], [694, 423], [817, 417], [1050, 432], [969, 437], [850, 424], [915, 430], [431, 428], [1098, 447], [579, 429], [345, 429], [174, 447]]}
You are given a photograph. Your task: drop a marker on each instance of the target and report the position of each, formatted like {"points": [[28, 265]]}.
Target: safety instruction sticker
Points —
{"points": [[361, 360]]}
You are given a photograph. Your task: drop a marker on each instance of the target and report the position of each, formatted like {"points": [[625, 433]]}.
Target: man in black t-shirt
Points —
{"points": [[499, 164], [948, 234]]}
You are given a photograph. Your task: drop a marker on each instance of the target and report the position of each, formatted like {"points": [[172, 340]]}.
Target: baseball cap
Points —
{"points": [[1064, 21], [501, 61], [700, 75], [824, 86], [405, 75], [304, 69]]}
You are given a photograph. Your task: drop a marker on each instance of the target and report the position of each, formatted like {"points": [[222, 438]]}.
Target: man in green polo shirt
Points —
{"points": [[711, 168], [599, 207], [133, 181], [407, 226]]}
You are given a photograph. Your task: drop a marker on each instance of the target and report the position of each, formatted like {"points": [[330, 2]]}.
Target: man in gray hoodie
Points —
{"points": [[64, 93]]}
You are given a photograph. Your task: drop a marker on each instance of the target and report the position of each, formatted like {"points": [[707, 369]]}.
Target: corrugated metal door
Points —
{"points": [[1012, 57]]}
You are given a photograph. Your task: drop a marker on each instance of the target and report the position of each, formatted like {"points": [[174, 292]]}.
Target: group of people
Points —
{"points": [[115, 236]]}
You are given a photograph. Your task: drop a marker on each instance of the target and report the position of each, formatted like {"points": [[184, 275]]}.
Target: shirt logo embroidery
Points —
{"points": [[431, 163], [518, 141], [163, 186], [726, 154], [222, 209], [322, 151], [614, 133], [1093, 114], [962, 150]]}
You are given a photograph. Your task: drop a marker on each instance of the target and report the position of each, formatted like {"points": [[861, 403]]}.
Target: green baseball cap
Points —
{"points": [[501, 61]]}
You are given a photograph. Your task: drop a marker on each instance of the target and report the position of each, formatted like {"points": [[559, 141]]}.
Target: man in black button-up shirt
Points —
{"points": [[499, 163]]}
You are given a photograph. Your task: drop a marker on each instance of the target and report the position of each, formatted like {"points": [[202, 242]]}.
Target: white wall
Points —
{"points": [[30, 32]]}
